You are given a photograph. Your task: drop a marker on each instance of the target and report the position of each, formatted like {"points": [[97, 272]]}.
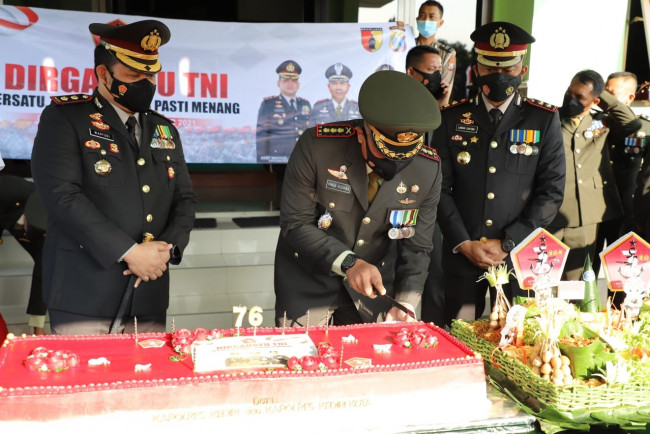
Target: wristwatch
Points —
{"points": [[507, 245], [175, 252], [348, 261]]}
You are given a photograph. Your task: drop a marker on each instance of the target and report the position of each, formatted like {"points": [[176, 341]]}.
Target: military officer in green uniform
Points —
{"points": [[503, 169], [112, 176], [626, 151], [641, 204], [282, 118], [590, 194], [338, 107], [358, 208]]}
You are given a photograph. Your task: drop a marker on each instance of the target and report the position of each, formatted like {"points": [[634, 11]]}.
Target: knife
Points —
{"points": [[396, 304]]}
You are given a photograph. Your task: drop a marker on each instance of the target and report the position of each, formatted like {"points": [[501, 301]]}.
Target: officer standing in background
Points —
{"points": [[338, 107], [281, 119], [626, 151], [429, 21], [358, 208], [590, 195], [503, 169], [641, 204], [112, 176]]}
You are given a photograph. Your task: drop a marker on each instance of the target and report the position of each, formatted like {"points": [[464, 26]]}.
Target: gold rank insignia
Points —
{"points": [[170, 172], [415, 188], [335, 130], [67, 99], [114, 148], [96, 116], [474, 139]]}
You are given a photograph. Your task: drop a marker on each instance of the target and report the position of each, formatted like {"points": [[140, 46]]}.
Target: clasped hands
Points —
{"points": [[483, 254], [148, 261], [365, 279]]}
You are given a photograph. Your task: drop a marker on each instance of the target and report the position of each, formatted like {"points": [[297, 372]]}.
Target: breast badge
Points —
{"points": [[114, 148], [325, 221], [340, 174], [92, 144], [170, 172], [406, 201], [415, 188], [463, 158], [100, 125], [103, 167], [96, 116], [401, 188]]}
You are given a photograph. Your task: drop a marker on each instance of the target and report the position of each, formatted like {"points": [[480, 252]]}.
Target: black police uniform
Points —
{"points": [[95, 219], [490, 191], [279, 127]]}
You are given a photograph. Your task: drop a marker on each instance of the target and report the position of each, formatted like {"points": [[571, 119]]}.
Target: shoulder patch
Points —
{"points": [[335, 130], [541, 104], [430, 153], [70, 99], [457, 103], [154, 112]]}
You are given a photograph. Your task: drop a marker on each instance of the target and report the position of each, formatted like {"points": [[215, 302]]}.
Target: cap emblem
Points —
{"points": [[500, 39], [338, 68], [291, 67], [152, 41], [406, 137]]}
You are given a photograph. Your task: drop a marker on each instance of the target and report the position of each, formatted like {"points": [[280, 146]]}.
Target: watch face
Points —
{"points": [[507, 245]]}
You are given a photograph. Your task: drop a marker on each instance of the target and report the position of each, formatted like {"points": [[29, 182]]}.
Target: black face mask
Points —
{"points": [[384, 167], [498, 86], [433, 82], [570, 107], [135, 96]]}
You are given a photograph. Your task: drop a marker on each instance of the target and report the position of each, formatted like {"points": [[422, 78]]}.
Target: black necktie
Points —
{"points": [[495, 114], [292, 102], [130, 127]]}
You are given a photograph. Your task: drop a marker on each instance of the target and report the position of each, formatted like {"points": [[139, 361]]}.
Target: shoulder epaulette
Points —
{"points": [[430, 153], [270, 97], [457, 103], [321, 100], [541, 104], [302, 99], [446, 47], [71, 99], [161, 115], [335, 130]]}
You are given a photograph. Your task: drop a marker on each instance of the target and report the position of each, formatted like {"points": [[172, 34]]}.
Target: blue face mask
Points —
{"points": [[427, 28]]}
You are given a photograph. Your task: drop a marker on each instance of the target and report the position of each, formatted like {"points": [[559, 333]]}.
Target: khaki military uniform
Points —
{"points": [[590, 194]]}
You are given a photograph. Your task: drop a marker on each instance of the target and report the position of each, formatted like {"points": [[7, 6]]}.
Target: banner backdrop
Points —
{"points": [[216, 79]]}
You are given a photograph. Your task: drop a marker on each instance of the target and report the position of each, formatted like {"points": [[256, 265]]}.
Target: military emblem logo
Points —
{"points": [[371, 38], [500, 39]]}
